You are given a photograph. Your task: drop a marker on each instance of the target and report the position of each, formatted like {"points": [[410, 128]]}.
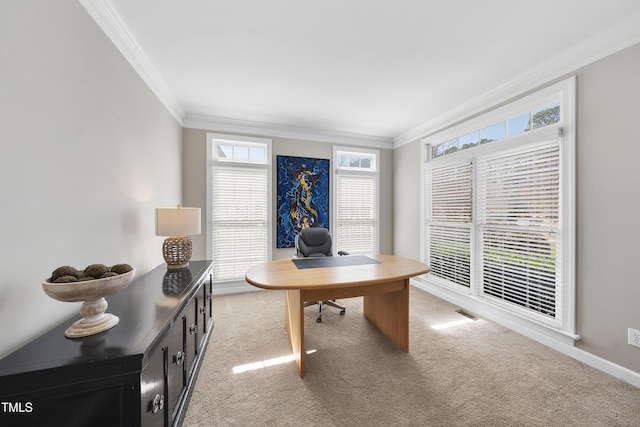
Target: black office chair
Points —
{"points": [[316, 242]]}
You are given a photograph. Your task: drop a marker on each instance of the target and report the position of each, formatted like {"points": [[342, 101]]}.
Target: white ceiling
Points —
{"points": [[380, 70]]}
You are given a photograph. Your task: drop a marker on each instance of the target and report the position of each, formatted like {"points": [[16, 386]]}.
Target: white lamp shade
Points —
{"points": [[177, 221]]}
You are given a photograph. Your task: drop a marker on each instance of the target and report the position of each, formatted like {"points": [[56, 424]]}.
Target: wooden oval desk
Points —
{"points": [[383, 281]]}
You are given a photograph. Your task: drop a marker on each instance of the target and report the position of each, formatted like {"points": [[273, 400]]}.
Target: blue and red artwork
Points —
{"points": [[303, 196]]}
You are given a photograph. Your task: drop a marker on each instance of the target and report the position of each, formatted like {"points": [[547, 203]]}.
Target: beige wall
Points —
{"points": [[195, 182], [87, 153], [608, 199], [608, 149], [406, 211]]}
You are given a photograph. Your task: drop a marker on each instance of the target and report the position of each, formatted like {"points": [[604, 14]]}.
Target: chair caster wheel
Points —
{"points": [[342, 312], [318, 320]]}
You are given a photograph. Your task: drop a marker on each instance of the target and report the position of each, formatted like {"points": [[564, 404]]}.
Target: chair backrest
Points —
{"points": [[313, 242]]}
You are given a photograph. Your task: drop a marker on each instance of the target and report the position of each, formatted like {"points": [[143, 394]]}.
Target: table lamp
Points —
{"points": [[179, 224]]}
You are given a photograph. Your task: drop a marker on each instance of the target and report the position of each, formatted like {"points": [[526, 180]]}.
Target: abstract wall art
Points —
{"points": [[303, 196]]}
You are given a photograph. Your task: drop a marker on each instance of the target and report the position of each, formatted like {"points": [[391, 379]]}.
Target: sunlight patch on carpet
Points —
{"points": [[265, 363], [446, 325]]}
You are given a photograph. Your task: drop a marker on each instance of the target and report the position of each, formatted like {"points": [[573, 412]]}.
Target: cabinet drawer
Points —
{"points": [[152, 389], [193, 334], [177, 361]]}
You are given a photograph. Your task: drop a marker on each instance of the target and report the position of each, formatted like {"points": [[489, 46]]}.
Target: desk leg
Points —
{"points": [[390, 313], [294, 321]]}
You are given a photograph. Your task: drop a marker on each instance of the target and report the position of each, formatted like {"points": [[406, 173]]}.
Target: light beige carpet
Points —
{"points": [[475, 374]]}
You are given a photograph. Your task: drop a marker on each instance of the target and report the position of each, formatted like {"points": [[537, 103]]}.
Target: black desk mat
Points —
{"points": [[333, 261]]}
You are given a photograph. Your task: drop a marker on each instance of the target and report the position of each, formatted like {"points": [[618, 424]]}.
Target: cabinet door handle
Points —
{"points": [[158, 403], [193, 329], [178, 358]]}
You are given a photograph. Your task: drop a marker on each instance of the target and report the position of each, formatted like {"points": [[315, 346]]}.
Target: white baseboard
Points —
{"points": [[233, 288], [559, 344]]}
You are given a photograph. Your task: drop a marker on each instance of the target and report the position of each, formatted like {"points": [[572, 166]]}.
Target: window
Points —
{"points": [[518, 198], [540, 117], [239, 204], [356, 201], [449, 200], [498, 209]]}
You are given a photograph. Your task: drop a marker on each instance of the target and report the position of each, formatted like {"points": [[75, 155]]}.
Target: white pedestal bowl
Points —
{"points": [[92, 293]]}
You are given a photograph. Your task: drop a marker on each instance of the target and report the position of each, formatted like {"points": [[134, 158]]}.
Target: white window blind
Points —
{"points": [[449, 210], [356, 212], [519, 224], [239, 230], [356, 177], [238, 219]]}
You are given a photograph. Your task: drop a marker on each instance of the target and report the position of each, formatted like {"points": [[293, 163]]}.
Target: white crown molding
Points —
{"points": [[107, 17], [604, 43], [217, 124]]}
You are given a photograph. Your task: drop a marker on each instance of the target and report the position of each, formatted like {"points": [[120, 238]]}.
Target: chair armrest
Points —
{"points": [[343, 253]]}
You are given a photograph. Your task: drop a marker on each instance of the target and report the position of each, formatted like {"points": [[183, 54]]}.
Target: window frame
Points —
{"points": [[563, 93], [373, 170], [211, 160]]}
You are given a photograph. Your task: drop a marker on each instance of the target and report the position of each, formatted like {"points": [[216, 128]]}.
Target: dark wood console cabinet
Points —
{"points": [[139, 373]]}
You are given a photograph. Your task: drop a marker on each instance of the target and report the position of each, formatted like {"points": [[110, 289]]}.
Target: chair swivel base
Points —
{"points": [[331, 303]]}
